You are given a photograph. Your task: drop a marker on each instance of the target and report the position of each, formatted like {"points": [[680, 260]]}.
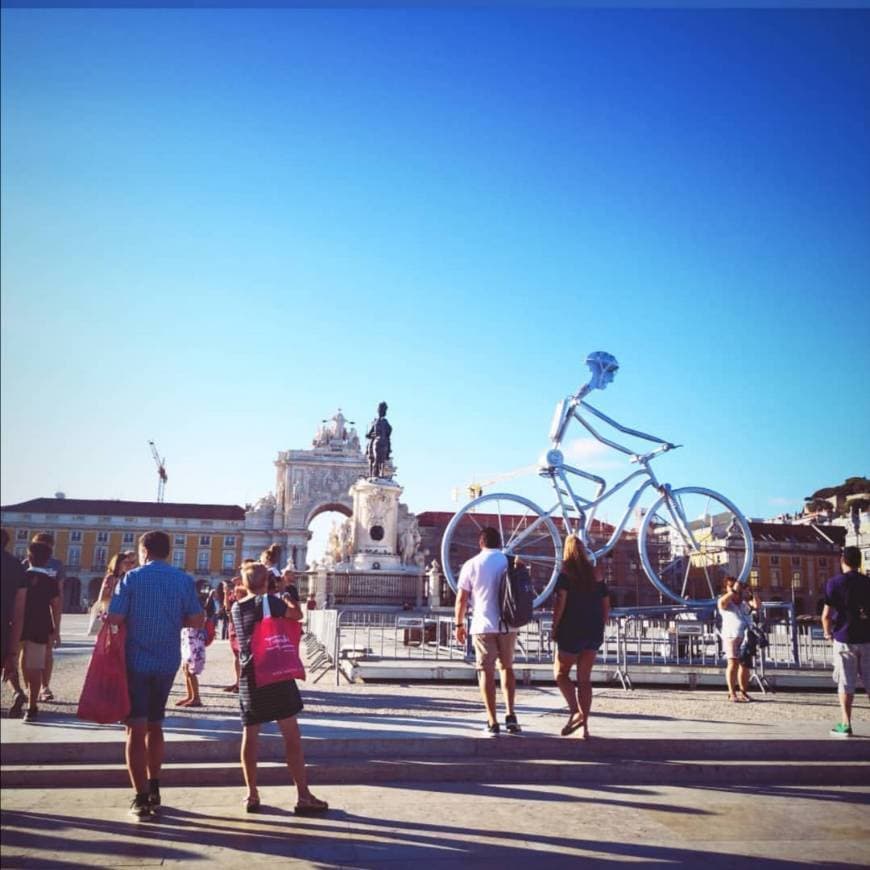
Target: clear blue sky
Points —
{"points": [[219, 226]]}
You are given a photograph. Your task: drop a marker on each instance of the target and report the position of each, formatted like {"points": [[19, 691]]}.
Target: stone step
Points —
{"points": [[443, 769], [528, 746]]}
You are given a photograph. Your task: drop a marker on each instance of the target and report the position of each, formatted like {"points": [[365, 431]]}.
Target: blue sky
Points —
{"points": [[220, 225]]}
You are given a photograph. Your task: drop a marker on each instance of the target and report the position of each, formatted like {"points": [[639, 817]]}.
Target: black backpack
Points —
{"points": [[516, 596]]}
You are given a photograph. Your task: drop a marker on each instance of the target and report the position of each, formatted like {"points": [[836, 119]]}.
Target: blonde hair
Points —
{"points": [[576, 564], [254, 576], [114, 567]]}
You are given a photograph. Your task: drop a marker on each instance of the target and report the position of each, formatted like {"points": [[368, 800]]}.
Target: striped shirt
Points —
{"points": [[155, 600]]}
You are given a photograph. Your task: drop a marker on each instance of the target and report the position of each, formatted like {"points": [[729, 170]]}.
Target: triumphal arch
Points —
{"points": [[307, 483]]}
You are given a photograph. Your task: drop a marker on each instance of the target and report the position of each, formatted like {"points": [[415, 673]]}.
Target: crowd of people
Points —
{"points": [[169, 626]]}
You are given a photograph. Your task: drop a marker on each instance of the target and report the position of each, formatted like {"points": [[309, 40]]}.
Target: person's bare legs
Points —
{"points": [[585, 661], [846, 699], [136, 755], [743, 680], [731, 678], [250, 735], [508, 689], [33, 679], [154, 749], [486, 681], [188, 687], [562, 664], [296, 763], [193, 689], [49, 666]]}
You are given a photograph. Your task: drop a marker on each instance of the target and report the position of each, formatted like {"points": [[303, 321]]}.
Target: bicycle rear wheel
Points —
{"points": [[526, 532], [690, 540]]}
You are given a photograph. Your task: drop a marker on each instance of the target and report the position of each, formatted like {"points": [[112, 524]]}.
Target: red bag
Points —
{"points": [[209, 632], [104, 697], [275, 649]]}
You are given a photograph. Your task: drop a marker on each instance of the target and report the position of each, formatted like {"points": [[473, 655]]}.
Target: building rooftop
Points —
{"points": [[106, 507], [792, 533]]}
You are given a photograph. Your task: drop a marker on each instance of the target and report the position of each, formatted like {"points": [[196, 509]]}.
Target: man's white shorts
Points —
{"points": [[851, 662]]}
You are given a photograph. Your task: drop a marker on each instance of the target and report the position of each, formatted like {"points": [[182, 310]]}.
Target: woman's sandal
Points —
{"points": [[252, 804], [575, 721], [310, 807], [745, 698]]}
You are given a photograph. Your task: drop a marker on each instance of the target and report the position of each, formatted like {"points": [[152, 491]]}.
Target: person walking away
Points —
{"points": [[846, 622], [277, 702], [193, 664], [479, 585], [55, 568], [736, 617], [155, 601], [13, 585], [41, 618], [580, 612]]}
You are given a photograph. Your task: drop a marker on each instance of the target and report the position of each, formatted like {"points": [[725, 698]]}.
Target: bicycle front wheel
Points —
{"points": [[526, 532], [690, 540]]}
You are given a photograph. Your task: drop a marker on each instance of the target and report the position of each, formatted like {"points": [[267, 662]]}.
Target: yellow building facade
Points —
{"points": [[206, 539]]}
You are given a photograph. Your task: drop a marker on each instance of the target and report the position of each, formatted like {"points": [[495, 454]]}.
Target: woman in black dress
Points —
{"points": [[580, 613], [277, 702]]}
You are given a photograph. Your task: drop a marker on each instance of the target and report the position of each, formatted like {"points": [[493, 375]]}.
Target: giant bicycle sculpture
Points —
{"points": [[687, 541]]}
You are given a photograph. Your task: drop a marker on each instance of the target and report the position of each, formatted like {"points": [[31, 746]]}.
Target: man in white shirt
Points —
{"points": [[479, 584]]}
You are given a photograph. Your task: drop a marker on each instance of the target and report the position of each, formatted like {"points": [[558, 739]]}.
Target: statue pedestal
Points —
{"points": [[375, 525]]}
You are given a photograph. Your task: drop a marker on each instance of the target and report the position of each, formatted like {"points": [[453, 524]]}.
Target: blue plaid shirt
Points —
{"points": [[154, 601]]}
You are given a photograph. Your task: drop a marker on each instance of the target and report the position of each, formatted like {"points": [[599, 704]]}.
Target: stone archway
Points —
{"points": [[307, 482], [339, 549]]}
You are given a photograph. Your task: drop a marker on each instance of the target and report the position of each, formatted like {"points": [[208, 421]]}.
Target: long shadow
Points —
{"points": [[367, 842]]}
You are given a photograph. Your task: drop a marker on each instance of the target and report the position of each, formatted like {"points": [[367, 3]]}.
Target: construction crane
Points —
{"points": [[475, 488], [161, 471]]}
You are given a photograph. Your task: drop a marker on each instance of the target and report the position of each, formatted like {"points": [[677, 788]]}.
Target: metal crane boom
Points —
{"points": [[161, 471]]}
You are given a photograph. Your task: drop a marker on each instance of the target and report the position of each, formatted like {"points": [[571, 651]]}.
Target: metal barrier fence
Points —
{"points": [[684, 636]]}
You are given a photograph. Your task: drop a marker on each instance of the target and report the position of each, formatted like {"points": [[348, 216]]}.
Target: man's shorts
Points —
{"points": [[148, 695], [851, 660], [34, 655], [491, 647]]}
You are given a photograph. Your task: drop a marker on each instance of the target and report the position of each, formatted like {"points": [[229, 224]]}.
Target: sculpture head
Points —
{"points": [[603, 366], [382, 409]]}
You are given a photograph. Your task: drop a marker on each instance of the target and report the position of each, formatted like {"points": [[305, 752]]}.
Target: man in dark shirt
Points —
{"points": [[14, 594], [41, 616], [55, 568], [846, 621]]}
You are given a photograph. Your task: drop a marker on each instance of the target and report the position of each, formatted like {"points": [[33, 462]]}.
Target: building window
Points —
{"points": [[21, 553], [180, 540], [21, 535], [206, 523], [129, 519], [99, 557], [75, 536], [202, 560], [156, 521], [105, 519], [229, 560], [205, 540], [774, 560], [178, 558], [102, 537], [796, 580], [796, 561], [774, 577], [753, 577], [229, 540], [182, 522], [129, 538], [74, 557]]}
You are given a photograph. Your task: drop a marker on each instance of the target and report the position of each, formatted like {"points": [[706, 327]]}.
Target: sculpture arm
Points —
{"points": [[602, 416]]}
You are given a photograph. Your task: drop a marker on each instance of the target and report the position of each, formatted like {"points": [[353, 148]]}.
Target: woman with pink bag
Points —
{"points": [[277, 702]]}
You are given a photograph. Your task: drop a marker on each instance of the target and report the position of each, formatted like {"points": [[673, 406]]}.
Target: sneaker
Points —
{"points": [[140, 808], [491, 730], [841, 730], [511, 725], [30, 714], [154, 799], [17, 705]]}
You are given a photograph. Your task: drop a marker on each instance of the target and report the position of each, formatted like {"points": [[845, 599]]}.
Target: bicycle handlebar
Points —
{"points": [[662, 448]]}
